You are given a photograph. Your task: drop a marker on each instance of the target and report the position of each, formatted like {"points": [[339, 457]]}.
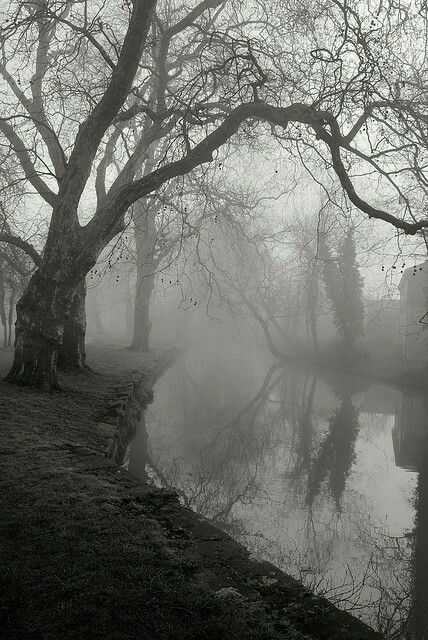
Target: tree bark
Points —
{"points": [[41, 316], [100, 330], [10, 315], [3, 318], [70, 253], [129, 307], [142, 323], [314, 330], [96, 325], [145, 239], [72, 355]]}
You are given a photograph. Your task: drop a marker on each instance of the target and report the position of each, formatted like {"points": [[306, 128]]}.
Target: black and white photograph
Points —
{"points": [[213, 320]]}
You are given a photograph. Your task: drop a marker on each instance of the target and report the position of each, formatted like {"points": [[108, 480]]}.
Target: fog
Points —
{"points": [[240, 187], [293, 417]]}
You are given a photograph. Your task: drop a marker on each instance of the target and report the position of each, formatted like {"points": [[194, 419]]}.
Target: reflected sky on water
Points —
{"points": [[321, 473]]}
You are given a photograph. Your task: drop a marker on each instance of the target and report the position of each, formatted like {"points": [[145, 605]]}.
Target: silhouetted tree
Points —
{"points": [[232, 75], [350, 312], [344, 287], [336, 453]]}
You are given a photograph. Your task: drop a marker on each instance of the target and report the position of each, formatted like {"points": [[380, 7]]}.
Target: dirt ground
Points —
{"points": [[89, 553]]}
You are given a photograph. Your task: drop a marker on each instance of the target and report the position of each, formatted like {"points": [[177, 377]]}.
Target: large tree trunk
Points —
{"points": [[128, 302], [142, 324], [11, 314], [97, 327], [71, 250], [3, 317], [314, 330], [41, 316], [98, 320], [145, 239], [72, 354], [312, 308]]}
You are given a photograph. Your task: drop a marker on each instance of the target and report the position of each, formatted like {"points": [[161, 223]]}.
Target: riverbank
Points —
{"points": [[392, 374], [89, 552]]}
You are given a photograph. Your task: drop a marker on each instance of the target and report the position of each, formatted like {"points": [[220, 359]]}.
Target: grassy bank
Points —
{"points": [[88, 553]]}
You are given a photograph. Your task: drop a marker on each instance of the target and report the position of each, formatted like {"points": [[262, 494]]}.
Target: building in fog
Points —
{"points": [[382, 338], [413, 323], [410, 432], [410, 439]]}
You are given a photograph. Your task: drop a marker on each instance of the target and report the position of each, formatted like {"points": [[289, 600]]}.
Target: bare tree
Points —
{"points": [[338, 96], [344, 287]]}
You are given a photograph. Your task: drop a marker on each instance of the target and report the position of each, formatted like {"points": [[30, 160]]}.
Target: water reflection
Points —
{"points": [[418, 621], [137, 454], [336, 453], [411, 452], [324, 475]]}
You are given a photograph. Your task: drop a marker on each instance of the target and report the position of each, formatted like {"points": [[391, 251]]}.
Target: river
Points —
{"points": [[323, 474]]}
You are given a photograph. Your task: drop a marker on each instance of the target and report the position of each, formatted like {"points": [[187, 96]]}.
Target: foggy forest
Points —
{"points": [[214, 319]]}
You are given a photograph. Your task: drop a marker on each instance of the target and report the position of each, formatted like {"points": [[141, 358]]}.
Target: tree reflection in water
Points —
{"points": [[336, 454], [296, 468]]}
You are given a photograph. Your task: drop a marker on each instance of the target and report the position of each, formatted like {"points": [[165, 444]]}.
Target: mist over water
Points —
{"points": [[274, 422], [320, 473], [241, 186]]}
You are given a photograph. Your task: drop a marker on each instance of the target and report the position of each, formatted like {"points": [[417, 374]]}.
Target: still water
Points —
{"points": [[322, 474]]}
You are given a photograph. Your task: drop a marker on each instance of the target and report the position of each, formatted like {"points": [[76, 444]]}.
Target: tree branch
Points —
{"points": [[93, 129], [14, 264], [35, 107], [88, 35], [190, 18], [25, 246], [107, 222], [334, 142], [27, 164], [105, 162]]}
